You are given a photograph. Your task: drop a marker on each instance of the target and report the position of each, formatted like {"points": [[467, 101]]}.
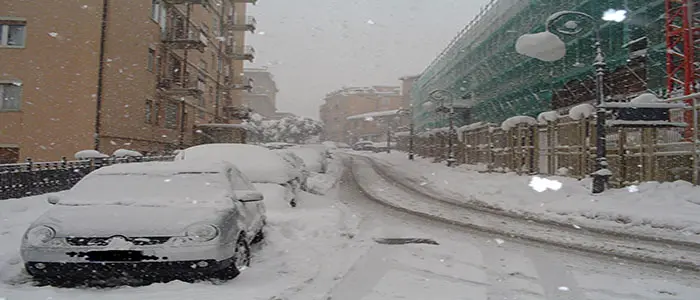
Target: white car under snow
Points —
{"points": [[153, 221], [263, 166]]}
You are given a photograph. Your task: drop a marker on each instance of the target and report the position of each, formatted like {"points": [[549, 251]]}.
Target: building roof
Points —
{"points": [[374, 114]]}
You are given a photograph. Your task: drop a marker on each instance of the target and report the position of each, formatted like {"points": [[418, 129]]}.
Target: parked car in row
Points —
{"points": [[315, 158], [267, 170], [157, 221]]}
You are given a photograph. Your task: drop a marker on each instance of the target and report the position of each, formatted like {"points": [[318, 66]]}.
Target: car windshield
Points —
{"points": [[182, 189]]}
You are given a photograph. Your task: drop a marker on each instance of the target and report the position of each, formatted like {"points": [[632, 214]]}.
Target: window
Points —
{"points": [[148, 111], [10, 94], [155, 10], [151, 59], [9, 154], [171, 115], [12, 33], [156, 113]]}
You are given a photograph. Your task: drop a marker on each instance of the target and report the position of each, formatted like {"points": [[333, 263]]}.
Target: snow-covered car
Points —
{"points": [[363, 146], [154, 221], [297, 162], [315, 158], [261, 165]]}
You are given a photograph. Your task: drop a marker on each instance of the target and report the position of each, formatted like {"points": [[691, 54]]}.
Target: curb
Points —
{"points": [[381, 170], [638, 258]]}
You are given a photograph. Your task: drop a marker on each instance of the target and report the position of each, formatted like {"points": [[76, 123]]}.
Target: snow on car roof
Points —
{"points": [[172, 167], [257, 162]]}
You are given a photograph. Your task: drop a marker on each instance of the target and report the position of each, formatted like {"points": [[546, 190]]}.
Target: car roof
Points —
{"points": [[166, 168]]}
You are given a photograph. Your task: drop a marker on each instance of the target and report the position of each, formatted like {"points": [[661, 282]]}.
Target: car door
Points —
{"points": [[254, 210]]}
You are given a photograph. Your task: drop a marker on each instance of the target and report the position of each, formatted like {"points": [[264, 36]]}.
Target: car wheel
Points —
{"points": [[241, 261]]}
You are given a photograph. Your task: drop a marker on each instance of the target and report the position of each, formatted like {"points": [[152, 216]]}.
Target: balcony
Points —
{"points": [[247, 53], [178, 39], [177, 88], [242, 24], [247, 85], [237, 112], [175, 2]]}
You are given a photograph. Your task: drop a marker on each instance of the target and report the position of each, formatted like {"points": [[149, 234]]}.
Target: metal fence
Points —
{"points": [[36, 178]]}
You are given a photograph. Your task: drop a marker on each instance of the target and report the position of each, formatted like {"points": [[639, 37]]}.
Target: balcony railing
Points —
{"points": [[237, 112], [235, 53], [246, 84], [178, 88], [179, 39], [242, 24]]}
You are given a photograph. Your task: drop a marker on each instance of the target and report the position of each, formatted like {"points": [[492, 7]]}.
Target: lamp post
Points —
{"points": [[409, 112], [530, 45], [444, 100]]}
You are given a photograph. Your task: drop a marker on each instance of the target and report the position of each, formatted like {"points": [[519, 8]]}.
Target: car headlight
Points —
{"points": [[202, 233], [40, 235]]}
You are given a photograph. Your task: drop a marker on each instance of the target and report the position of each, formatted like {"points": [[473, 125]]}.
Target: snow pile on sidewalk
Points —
{"points": [[302, 245], [670, 209]]}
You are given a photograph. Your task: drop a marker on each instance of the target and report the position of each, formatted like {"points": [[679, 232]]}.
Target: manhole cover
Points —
{"points": [[404, 241]]}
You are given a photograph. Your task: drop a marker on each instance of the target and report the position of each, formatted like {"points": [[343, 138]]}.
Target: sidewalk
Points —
{"points": [[669, 210]]}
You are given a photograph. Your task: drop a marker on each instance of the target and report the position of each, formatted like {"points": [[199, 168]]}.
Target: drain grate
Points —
{"points": [[404, 241]]}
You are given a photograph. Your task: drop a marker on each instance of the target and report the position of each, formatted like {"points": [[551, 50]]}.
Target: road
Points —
{"points": [[326, 249], [471, 265]]}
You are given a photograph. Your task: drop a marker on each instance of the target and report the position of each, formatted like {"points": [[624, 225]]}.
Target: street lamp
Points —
{"points": [[443, 101], [547, 46], [409, 112]]}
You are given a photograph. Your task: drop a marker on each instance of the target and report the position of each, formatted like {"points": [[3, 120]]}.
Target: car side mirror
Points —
{"points": [[249, 196], [53, 199]]}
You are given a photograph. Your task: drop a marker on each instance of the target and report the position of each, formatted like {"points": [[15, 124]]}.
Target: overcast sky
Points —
{"points": [[317, 46]]}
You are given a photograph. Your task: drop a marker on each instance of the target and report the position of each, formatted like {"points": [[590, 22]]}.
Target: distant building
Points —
{"points": [[375, 126], [407, 83], [350, 101], [263, 97], [281, 115]]}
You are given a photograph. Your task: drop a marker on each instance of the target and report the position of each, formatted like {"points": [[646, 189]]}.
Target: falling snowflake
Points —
{"points": [[542, 184], [499, 241], [563, 288], [576, 226], [53, 34], [633, 189], [370, 22], [261, 33]]}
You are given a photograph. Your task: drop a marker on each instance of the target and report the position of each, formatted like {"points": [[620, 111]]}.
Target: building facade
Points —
{"points": [[376, 126], [263, 97], [484, 72], [110, 74], [350, 101]]}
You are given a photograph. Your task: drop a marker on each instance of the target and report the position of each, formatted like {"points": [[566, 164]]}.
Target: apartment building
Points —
{"points": [[263, 97], [146, 75], [351, 101]]}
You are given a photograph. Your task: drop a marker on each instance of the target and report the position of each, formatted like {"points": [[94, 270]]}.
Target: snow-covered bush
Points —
{"points": [[292, 129]]}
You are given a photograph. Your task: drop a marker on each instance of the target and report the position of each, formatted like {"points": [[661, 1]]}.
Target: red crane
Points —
{"points": [[683, 50]]}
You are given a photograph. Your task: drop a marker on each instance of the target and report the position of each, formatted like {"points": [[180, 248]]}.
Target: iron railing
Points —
{"points": [[36, 178]]}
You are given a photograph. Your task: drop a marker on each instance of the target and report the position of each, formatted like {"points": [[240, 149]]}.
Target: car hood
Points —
{"points": [[129, 221]]}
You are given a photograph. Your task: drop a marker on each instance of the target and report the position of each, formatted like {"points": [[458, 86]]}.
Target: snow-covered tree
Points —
{"points": [[291, 129]]}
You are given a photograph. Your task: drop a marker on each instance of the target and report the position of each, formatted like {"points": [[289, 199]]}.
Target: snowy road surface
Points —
{"points": [[326, 249]]}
